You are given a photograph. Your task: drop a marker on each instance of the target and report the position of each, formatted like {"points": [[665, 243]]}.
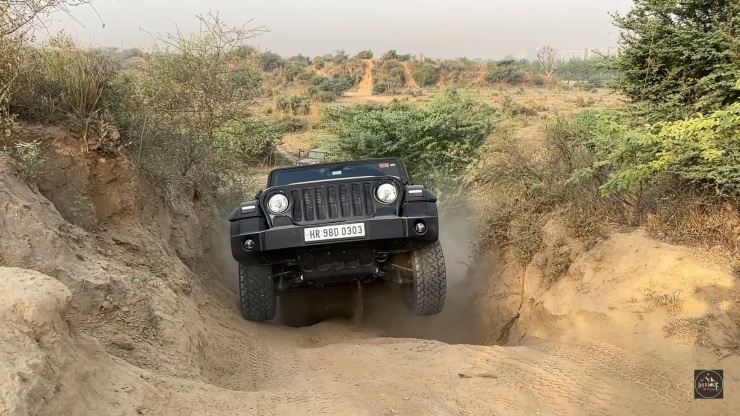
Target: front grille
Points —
{"points": [[333, 202]]}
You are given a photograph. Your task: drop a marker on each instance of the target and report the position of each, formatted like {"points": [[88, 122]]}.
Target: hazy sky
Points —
{"points": [[439, 29]]}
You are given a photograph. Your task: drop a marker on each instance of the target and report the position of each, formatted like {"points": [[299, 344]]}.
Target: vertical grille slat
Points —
{"points": [[297, 206], [356, 200], [344, 197], [308, 204], [333, 202], [321, 204], [369, 206]]}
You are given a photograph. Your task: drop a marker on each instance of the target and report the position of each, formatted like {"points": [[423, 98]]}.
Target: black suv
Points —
{"points": [[338, 223]]}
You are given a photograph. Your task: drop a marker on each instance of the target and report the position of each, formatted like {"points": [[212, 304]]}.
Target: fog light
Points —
{"points": [[420, 228], [248, 244]]}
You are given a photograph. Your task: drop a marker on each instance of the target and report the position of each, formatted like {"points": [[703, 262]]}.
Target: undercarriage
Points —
{"points": [[342, 267]]}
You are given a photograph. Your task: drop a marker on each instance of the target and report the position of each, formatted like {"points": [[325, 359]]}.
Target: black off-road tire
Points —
{"points": [[256, 292], [428, 292]]}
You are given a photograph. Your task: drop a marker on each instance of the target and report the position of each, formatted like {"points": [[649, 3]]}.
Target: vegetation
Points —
{"points": [[679, 58], [438, 141], [388, 77], [366, 54], [426, 74], [669, 169], [595, 72], [192, 108]]}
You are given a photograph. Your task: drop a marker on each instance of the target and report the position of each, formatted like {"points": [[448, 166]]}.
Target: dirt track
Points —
{"points": [[134, 321]]}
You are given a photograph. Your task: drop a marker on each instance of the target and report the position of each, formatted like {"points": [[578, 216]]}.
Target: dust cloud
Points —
{"points": [[459, 322], [225, 268]]}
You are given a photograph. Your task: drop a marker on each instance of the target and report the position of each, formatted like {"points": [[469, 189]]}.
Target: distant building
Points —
{"points": [[568, 55]]}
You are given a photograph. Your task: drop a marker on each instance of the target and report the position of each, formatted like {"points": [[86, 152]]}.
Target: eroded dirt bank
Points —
{"points": [[133, 315]]}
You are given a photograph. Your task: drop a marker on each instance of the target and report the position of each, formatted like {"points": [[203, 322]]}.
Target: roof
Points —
{"points": [[344, 162], [339, 163]]}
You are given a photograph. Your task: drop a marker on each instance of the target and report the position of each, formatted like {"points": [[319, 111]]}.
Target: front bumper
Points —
{"points": [[389, 234]]}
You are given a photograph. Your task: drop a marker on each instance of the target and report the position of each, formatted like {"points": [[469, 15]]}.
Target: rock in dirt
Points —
{"points": [[44, 369]]}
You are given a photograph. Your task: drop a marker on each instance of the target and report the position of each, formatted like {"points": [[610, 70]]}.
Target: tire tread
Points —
{"points": [[430, 276], [256, 292]]}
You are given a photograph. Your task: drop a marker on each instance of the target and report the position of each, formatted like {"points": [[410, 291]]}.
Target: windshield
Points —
{"points": [[316, 155], [337, 171]]}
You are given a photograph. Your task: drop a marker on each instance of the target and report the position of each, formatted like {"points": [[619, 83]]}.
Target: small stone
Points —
{"points": [[107, 305], [109, 298], [407, 398], [125, 309], [124, 345]]}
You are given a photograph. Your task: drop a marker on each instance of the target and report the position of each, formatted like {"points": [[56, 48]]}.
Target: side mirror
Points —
{"points": [[257, 195]]}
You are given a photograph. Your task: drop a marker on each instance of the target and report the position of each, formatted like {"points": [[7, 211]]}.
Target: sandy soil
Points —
{"points": [[410, 81], [365, 87], [135, 314]]}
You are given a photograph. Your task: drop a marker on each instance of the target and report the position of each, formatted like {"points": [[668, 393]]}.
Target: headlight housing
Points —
{"points": [[386, 192], [277, 203]]}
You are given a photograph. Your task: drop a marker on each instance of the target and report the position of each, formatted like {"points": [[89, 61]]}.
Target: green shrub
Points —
{"points": [[295, 72], [504, 73], [427, 74], [380, 89], [337, 83], [437, 142], [702, 150], [250, 141], [678, 58], [294, 105], [271, 61]]}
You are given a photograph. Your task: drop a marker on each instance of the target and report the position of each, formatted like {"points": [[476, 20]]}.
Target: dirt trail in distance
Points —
{"points": [[365, 87], [408, 76]]}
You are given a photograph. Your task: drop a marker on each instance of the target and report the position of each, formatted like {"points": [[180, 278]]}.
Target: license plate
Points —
{"points": [[334, 232]]}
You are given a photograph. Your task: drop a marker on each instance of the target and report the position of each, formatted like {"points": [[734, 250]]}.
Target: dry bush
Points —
{"points": [[522, 183], [61, 81], [681, 213]]}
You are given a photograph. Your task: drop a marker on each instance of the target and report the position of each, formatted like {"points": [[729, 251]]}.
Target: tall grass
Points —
{"points": [[61, 81]]}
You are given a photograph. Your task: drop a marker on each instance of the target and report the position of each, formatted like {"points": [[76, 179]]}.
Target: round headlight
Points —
{"points": [[277, 203], [387, 193]]}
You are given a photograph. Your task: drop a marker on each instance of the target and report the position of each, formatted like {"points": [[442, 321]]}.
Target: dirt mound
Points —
{"points": [[118, 309], [49, 369], [628, 283]]}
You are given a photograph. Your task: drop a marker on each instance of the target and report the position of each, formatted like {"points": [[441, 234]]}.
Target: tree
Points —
{"points": [[426, 74], [366, 54], [16, 15], [391, 54], [271, 61], [195, 87], [548, 59], [679, 58]]}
